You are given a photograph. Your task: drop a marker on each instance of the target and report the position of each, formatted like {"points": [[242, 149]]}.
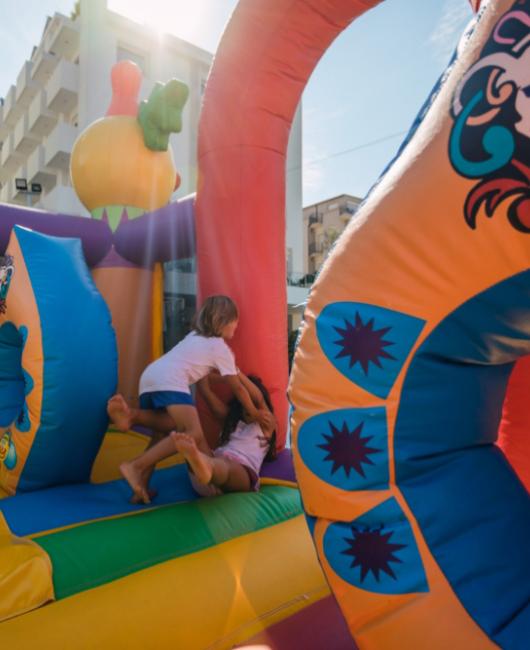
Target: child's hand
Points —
{"points": [[267, 422], [267, 419]]}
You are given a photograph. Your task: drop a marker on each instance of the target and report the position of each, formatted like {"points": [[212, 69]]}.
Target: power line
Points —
{"points": [[371, 143]]}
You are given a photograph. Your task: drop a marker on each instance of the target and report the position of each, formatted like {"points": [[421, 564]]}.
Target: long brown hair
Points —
{"points": [[235, 414], [216, 312]]}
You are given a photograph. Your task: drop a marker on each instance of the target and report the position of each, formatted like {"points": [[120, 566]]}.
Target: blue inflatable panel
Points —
{"points": [[76, 365], [66, 505], [447, 462]]}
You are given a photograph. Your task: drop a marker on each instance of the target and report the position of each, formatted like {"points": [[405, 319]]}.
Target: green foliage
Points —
{"points": [[161, 114]]}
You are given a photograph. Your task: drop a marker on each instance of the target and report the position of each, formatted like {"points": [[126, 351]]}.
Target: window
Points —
{"points": [[124, 54], [348, 208]]}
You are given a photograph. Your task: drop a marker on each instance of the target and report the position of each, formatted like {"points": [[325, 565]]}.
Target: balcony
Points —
{"points": [[4, 129], [347, 210], [315, 221], [59, 146], [12, 110], [62, 37], [41, 121], [43, 66], [10, 159], [315, 249], [63, 87], [23, 141], [37, 171], [298, 279], [27, 87]]}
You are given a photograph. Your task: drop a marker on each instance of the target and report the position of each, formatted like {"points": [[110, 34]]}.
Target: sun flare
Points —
{"points": [[178, 17]]}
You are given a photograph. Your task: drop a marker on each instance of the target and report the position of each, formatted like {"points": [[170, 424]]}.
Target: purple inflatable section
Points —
{"points": [[281, 469], [159, 236], [95, 236]]}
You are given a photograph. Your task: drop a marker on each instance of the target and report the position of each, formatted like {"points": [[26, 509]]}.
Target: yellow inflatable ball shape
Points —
{"points": [[110, 165]]}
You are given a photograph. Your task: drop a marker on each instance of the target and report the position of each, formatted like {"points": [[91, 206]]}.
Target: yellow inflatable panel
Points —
{"points": [[118, 447], [212, 599], [25, 575]]}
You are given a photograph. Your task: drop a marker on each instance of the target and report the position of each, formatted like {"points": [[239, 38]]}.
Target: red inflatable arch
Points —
{"points": [[266, 56]]}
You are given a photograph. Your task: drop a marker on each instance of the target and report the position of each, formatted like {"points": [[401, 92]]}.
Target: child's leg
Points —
{"points": [[124, 417], [138, 471], [222, 472], [186, 419], [156, 437]]}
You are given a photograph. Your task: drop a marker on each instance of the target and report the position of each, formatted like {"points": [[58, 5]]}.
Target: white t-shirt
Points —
{"points": [[190, 360]]}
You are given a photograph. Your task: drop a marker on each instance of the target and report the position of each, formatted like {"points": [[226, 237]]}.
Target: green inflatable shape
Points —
{"points": [[97, 553], [161, 114]]}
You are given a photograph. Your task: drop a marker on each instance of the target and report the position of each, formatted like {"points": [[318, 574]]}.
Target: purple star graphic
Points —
{"points": [[362, 343], [348, 449], [372, 551]]}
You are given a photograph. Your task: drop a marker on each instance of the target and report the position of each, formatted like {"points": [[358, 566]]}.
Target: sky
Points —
{"points": [[360, 101]]}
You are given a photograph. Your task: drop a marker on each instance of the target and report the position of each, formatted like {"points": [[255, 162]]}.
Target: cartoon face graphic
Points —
{"points": [[6, 273], [8, 454], [5, 441], [490, 139]]}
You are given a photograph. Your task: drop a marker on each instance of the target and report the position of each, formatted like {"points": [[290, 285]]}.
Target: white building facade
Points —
{"points": [[65, 86]]}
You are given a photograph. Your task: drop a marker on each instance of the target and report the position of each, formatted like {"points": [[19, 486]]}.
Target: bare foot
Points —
{"points": [[199, 462], [135, 479], [151, 493], [119, 412]]}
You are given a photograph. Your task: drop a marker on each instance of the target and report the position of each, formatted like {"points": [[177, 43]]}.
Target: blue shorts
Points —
{"points": [[159, 399]]}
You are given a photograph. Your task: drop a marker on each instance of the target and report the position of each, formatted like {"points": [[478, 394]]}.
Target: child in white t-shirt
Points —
{"points": [[166, 402]]}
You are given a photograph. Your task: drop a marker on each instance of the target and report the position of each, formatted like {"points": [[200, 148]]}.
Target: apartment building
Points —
{"points": [[65, 85], [323, 223]]}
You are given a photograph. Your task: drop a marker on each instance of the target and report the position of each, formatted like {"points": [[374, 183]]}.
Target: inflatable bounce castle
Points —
{"points": [[408, 407]]}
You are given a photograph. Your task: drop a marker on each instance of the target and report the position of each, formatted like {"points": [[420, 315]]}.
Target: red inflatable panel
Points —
{"points": [[263, 63]]}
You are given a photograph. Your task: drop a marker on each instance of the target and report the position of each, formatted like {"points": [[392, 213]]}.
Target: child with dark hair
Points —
{"points": [[166, 402], [245, 444]]}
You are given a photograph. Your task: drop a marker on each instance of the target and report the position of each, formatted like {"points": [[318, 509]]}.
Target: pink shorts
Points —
{"points": [[210, 490]]}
